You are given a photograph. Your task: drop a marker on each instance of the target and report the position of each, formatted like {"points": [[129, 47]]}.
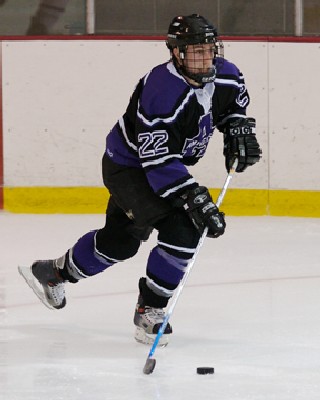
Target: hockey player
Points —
{"points": [[167, 125]]}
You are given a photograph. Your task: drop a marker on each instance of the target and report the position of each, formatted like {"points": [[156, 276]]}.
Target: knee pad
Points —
{"points": [[141, 233], [178, 236], [116, 243]]}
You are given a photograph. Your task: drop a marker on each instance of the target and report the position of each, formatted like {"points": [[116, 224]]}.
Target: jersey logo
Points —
{"points": [[196, 146], [153, 144], [243, 98]]}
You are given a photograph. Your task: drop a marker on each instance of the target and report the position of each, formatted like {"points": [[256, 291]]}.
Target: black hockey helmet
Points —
{"points": [[190, 30]]}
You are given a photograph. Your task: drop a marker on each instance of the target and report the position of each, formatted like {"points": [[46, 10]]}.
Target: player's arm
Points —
{"points": [[239, 131], [160, 157]]}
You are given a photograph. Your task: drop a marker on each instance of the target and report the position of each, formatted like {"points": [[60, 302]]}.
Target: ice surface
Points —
{"points": [[250, 309]]}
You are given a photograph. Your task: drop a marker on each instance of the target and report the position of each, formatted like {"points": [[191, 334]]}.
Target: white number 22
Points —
{"points": [[153, 144]]}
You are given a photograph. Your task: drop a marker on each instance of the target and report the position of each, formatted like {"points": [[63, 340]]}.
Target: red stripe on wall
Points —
{"points": [[1, 133], [284, 39]]}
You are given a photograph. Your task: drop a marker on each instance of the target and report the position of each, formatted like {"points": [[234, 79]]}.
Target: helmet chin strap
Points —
{"points": [[200, 77]]}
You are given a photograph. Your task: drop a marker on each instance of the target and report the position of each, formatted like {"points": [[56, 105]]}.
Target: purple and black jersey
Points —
{"points": [[168, 124]]}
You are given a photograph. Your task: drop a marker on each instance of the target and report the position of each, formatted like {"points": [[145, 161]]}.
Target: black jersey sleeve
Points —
{"points": [[231, 97]]}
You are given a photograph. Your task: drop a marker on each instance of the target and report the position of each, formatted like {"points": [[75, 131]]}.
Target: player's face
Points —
{"points": [[199, 58]]}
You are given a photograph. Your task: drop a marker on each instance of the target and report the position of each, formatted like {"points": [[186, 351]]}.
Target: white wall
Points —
{"points": [[60, 98]]}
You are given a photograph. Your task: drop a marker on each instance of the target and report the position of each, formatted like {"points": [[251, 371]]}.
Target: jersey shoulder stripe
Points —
{"points": [[227, 68], [165, 94], [228, 74]]}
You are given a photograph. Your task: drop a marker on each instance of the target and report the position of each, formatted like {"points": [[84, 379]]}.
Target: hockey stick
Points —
{"points": [[151, 362]]}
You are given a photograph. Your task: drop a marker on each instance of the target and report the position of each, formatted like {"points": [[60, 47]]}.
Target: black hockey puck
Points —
{"points": [[205, 370]]}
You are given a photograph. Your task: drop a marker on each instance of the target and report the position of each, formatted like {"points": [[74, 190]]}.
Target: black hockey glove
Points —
{"points": [[203, 212], [240, 142]]}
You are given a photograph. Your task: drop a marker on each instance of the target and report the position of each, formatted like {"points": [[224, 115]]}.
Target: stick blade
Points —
{"points": [[149, 366]]}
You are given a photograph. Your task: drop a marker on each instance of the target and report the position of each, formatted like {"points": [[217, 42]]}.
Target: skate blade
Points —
{"points": [[146, 338], [32, 282]]}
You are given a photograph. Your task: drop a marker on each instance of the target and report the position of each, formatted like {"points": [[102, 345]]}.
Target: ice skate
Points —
{"points": [[148, 321], [44, 279]]}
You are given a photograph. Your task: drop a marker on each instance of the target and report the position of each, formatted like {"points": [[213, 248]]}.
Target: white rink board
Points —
{"points": [[294, 89], [60, 102], [60, 98]]}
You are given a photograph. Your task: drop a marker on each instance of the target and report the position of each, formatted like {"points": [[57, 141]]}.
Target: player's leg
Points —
{"points": [[177, 242], [93, 253], [133, 192], [99, 249]]}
